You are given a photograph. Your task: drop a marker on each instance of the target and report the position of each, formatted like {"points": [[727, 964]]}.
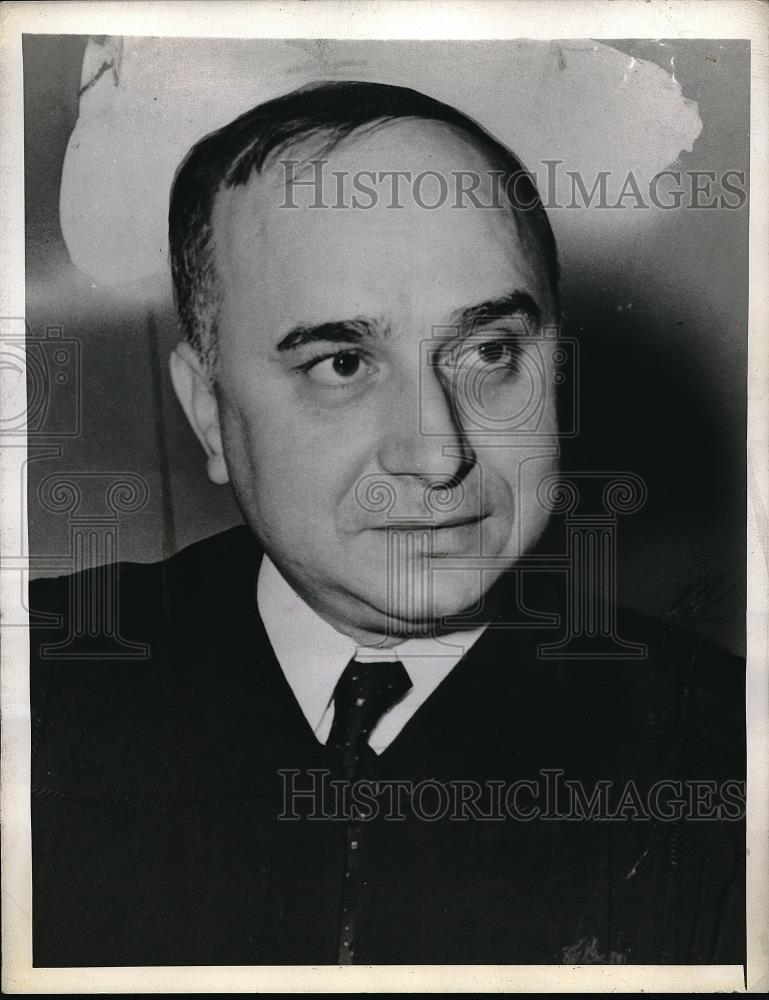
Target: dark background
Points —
{"points": [[663, 388]]}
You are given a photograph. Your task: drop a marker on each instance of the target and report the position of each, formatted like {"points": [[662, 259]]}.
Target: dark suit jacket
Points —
{"points": [[157, 794]]}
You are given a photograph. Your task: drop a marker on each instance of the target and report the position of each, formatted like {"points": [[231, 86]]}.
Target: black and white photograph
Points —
{"points": [[385, 523]]}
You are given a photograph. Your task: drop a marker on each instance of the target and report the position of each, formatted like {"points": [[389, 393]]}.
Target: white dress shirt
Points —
{"points": [[313, 655]]}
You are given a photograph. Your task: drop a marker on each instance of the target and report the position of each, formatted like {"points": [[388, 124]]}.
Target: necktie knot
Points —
{"points": [[363, 694]]}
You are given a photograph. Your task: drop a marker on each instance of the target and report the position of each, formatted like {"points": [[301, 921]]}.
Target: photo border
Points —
{"points": [[381, 19]]}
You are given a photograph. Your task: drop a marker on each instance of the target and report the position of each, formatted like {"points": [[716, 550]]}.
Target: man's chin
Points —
{"points": [[447, 604], [459, 597]]}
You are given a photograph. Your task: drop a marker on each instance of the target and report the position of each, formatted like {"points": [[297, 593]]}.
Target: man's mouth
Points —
{"points": [[436, 539], [406, 524]]}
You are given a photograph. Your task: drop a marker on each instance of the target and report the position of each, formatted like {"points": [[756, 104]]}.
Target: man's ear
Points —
{"points": [[196, 394]]}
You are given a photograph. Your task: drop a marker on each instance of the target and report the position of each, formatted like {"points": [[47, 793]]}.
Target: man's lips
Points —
{"points": [[404, 524]]}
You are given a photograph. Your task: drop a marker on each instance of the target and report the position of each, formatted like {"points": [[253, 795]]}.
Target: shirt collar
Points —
{"points": [[313, 655]]}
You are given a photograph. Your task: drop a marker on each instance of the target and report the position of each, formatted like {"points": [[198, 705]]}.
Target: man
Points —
{"points": [[370, 367]]}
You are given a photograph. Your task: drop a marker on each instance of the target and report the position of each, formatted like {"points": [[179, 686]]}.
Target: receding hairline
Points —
{"points": [[321, 144], [325, 140]]}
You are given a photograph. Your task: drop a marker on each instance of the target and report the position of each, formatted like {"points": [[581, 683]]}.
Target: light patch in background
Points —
{"points": [[145, 101]]}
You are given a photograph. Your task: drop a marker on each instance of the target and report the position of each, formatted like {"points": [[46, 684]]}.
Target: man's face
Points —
{"points": [[380, 374]]}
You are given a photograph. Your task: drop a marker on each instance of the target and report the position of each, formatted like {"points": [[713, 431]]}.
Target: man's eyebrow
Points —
{"points": [[347, 331], [515, 303]]}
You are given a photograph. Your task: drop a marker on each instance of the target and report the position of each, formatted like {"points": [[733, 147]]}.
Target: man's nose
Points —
{"points": [[422, 435]]}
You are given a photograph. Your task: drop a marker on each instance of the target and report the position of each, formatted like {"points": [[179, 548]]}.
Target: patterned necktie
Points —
{"points": [[363, 694]]}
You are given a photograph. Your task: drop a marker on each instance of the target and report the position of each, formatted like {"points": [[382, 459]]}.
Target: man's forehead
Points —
{"points": [[388, 166], [326, 231]]}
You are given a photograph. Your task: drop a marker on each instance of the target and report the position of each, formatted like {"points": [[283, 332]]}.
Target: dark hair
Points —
{"points": [[330, 111]]}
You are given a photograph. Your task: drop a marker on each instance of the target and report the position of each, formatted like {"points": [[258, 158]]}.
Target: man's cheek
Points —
{"points": [[515, 480], [536, 478]]}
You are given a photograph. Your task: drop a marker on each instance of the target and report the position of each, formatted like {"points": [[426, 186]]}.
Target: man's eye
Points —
{"points": [[338, 369], [501, 355]]}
